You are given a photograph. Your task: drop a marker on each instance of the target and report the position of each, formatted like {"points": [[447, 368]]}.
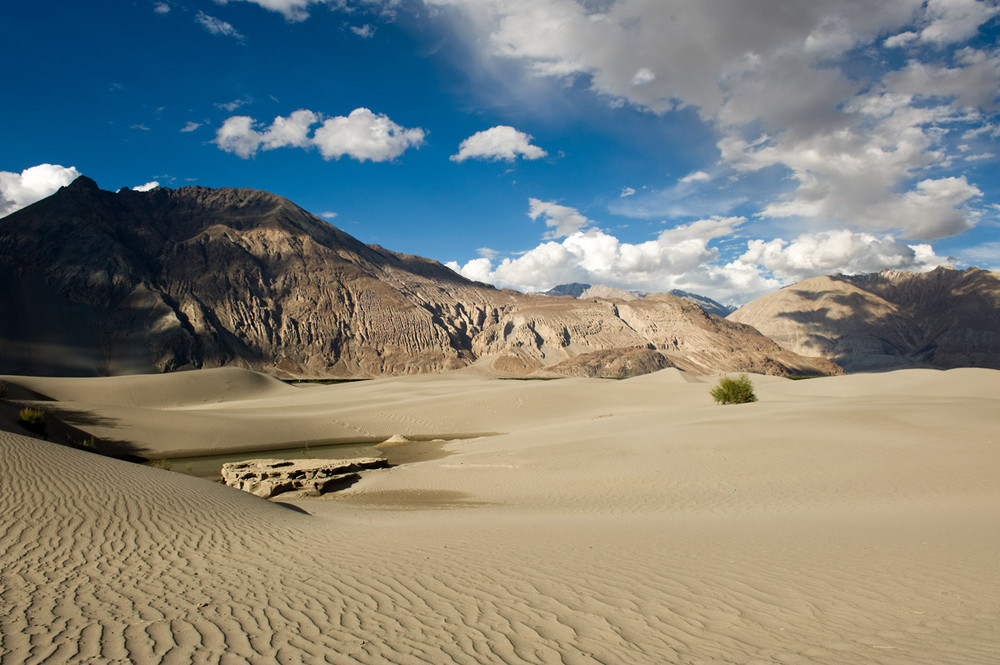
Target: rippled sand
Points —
{"points": [[839, 520]]}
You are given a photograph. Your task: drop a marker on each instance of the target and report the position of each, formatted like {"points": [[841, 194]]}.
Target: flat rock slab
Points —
{"points": [[269, 477]]}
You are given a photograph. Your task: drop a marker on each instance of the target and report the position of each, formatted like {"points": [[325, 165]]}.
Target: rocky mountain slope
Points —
{"points": [[100, 283], [584, 291], [944, 318]]}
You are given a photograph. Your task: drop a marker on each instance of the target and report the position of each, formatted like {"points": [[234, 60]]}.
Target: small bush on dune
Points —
{"points": [[32, 419], [734, 391], [3, 390]]}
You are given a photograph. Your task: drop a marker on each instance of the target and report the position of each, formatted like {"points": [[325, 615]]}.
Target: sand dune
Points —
{"points": [[840, 520]]}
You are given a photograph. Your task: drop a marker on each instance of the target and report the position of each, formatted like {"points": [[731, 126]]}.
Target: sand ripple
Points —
{"points": [[105, 562]]}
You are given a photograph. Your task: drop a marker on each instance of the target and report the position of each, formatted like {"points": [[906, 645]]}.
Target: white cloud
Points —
{"points": [[292, 10], [841, 251], [688, 257], [627, 192], [365, 31], [153, 184], [218, 26], [901, 40], [644, 76], [563, 220], [18, 190], [679, 258], [328, 215], [190, 126], [956, 20], [782, 91], [362, 135], [161, 8], [498, 143], [984, 255], [973, 83], [233, 105], [298, 10], [697, 176]]}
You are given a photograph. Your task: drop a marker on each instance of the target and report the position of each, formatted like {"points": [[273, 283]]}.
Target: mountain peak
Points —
{"points": [[82, 184]]}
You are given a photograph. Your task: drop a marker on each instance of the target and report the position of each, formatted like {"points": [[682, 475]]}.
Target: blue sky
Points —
{"points": [[725, 147]]}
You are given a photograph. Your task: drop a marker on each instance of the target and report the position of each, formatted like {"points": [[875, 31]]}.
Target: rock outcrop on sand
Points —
{"points": [[270, 477], [942, 319], [103, 283], [613, 364]]}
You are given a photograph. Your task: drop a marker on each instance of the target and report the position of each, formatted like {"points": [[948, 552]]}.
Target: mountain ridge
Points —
{"points": [[108, 283], [941, 319]]}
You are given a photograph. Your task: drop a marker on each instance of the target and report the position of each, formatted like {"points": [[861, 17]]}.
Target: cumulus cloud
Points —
{"points": [[840, 251], [627, 192], [18, 190], [498, 143], [955, 20], [161, 8], [153, 184], [563, 220], [679, 258], [365, 31], [362, 135], [190, 126], [217, 26], [689, 257]]}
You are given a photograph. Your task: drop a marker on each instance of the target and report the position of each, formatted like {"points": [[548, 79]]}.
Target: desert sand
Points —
{"points": [[851, 519]]}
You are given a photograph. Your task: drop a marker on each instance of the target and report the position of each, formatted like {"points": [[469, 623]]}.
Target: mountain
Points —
{"points": [[941, 319], [103, 283], [584, 291]]}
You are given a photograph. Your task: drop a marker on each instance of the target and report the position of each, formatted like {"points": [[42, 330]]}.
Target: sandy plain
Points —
{"points": [[850, 519]]}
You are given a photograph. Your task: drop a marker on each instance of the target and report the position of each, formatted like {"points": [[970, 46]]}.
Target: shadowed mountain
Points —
{"points": [[101, 283], [943, 319]]}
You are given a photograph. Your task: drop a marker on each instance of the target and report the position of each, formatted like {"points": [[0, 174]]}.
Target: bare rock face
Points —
{"points": [[613, 364], [102, 283], [942, 319], [270, 477]]}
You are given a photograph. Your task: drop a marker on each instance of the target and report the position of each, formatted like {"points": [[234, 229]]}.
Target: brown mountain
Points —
{"points": [[941, 319], [99, 283]]}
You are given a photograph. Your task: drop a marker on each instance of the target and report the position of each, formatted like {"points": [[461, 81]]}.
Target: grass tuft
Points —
{"points": [[33, 420]]}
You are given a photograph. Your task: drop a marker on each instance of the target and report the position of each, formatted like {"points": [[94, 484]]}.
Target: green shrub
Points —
{"points": [[32, 419], [734, 391]]}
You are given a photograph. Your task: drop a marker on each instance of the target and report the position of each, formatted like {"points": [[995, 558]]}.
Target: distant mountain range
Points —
{"points": [[942, 319], [103, 283], [585, 291]]}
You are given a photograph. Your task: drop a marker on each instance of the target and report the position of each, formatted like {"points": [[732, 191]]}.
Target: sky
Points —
{"points": [[721, 147]]}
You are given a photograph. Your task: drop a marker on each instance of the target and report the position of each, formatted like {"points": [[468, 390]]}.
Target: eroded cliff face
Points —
{"points": [[942, 319], [114, 283]]}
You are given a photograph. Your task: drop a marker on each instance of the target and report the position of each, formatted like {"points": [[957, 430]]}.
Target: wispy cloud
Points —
{"points": [[218, 27]]}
